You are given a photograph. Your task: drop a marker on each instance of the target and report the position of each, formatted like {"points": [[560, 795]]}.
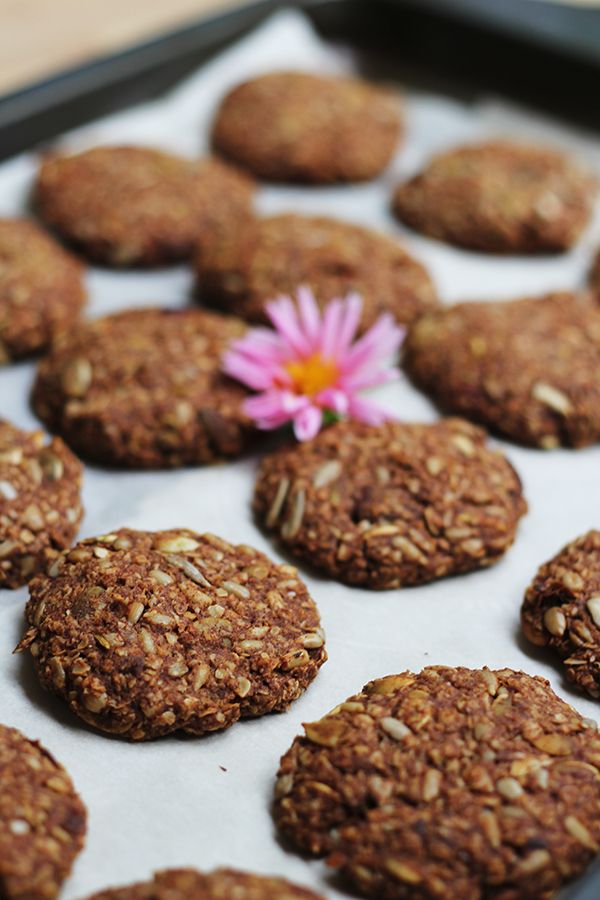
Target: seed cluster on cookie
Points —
{"points": [[392, 505], [499, 197], [308, 128], [561, 610], [127, 206], [144, 634], [40, 504], [145, 389], [222, 884], [42, 820], [529, 369], [448, 783], [247, 267], [41, 289]]}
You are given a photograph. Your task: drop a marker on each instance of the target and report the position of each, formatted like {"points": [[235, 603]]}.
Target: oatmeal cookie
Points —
{"points": [[298, 127], [499, 197], [464, 783], [249, 266], [529, 369], [42, 820], [144, 389], [393, 505], [222, 884], [41, 289], [40, 504], [134, 206], [561, 610], [144, 634]]}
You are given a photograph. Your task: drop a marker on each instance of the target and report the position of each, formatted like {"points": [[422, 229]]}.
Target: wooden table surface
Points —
{"points": [[42, 37]]}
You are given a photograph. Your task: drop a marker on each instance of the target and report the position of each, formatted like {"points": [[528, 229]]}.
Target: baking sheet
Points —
{"points": [[205, 802]]}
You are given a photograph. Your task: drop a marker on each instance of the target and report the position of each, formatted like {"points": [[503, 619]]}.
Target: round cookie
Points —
{"points": [[144, 634], [134, 206], [528, 369], [499, 197], [40, 504], [561, 610], [595, 273], [392, 505], [249, 266], [41, 289], [42, 820], [222, 884], [315, 129], [448, 783], [144, 389]]}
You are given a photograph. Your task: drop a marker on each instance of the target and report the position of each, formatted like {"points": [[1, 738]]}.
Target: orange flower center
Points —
{"points": [[312, 374]]}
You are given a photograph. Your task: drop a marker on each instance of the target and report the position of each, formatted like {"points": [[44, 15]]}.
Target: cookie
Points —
{"points": [[448, 783], [528, 369], [392, 505], [499, 197], [252, 265], [314, 129], [134, 206], [40, 503], [41, 289], [595, 274], [42, 820], [222, 884], [144, 389], [144, 634], [561, 610]]}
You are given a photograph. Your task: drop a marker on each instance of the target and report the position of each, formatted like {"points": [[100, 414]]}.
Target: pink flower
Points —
{"points": [[310, 365]]}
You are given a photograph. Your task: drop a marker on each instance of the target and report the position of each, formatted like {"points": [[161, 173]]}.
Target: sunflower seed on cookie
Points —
{"points": [[144, 634], [451, 782], [391, 505]]}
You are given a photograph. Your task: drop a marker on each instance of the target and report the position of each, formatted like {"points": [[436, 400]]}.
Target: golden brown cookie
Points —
{"points": [[294, 126], [450, 783], [222, 884], [528, 369], [499, 197], [561, 610], [392, 505], [144, 389], [249, 266], [134, 206], [41, 289], [42, 820], [144, 634], [40, 502]]}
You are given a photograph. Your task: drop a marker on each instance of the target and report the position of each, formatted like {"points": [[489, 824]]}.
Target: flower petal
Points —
{"points": [[353, 305], [368, 411], [307, 423], [310, 315], [250, 373], [330, 330], [332, 399], [284, 317]]}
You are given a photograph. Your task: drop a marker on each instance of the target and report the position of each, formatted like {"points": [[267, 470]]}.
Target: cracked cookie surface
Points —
{"points": [[42, 820], [476, 784], [144, 389], [247, 267], [222, 884], [41, 289], [40, 503], [499, 197], [145, 634], [135, 206], [561, 610], [299, 127], [529, 369], [392, 505]]}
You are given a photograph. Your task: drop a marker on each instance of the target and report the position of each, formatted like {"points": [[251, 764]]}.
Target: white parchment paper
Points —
{"points": [[205, 802]]}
